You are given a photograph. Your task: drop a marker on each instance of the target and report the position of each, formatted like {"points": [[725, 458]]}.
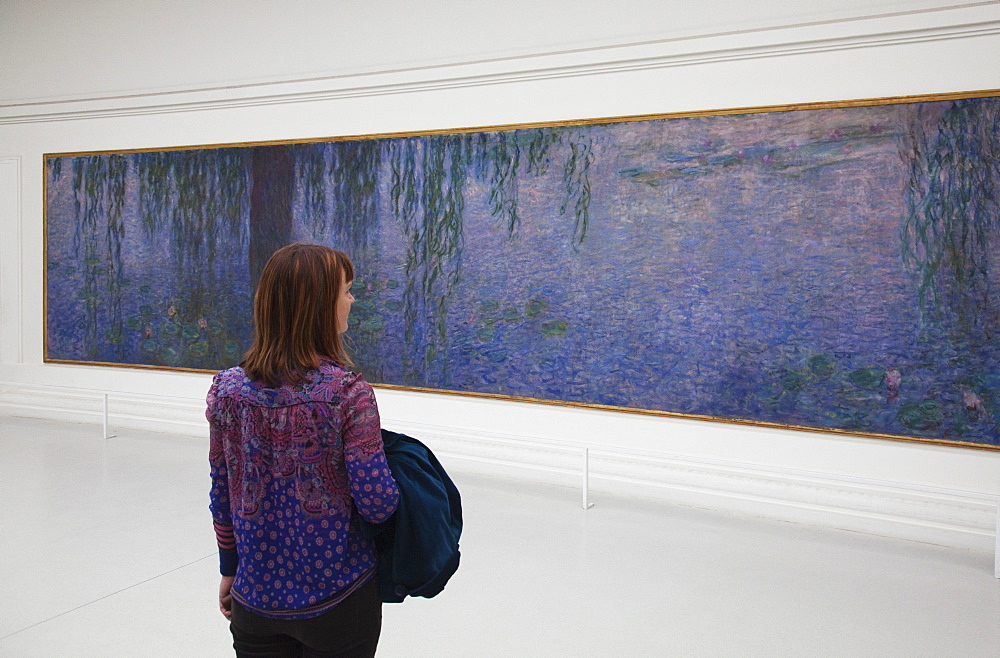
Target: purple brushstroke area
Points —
{"points": [[741, 267]]}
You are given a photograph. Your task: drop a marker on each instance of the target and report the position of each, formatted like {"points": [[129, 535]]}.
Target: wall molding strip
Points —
{"points": [[944, 516], [11, 262], [593, 62]]}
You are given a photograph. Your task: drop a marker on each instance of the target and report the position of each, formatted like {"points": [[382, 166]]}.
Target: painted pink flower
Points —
{"points": [[971, 400], [171, 311], [893, 378]]}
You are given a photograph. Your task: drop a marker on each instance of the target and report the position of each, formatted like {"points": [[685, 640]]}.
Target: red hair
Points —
{"points": [[295, 313]]}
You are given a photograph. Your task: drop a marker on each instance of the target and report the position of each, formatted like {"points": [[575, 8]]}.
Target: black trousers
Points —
{"points": [[349, 630]]}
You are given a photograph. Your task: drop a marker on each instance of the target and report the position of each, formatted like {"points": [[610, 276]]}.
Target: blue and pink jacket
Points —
{"points": [[294, 470]]}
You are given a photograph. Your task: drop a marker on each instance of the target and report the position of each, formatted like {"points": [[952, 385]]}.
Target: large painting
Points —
{"points": [[827, 267]]}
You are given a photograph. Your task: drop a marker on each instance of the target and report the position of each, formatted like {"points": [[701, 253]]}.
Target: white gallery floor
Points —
{"points": [[106, 549]]}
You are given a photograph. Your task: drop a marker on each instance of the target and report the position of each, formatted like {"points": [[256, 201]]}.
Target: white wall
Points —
{"points": [[115, 75], [55, 49]]}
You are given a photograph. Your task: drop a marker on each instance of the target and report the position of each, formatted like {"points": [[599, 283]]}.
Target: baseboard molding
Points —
{"points": [[951, 520], [893, 511], [139, 412]]}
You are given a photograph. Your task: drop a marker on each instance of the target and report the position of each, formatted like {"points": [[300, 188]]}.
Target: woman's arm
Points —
{"points": [[373, 488], [219, 495]]}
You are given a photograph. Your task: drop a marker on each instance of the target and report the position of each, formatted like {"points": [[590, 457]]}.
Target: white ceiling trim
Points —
{"points": [[592, 62]]}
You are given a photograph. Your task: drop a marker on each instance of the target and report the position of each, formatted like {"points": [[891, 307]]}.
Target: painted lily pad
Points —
{"points": [[822, 365], [535, 307], [794, 381], [924, 415], [363, 306], [199, 348], [867, 377], [769, 393], [557, 328], [170, 356]]}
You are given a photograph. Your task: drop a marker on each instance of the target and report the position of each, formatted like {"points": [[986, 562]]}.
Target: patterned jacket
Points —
{"points": [[294, 469]]}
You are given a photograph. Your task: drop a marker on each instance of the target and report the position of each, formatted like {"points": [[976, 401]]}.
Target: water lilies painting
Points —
{"points": [[830, 267]]}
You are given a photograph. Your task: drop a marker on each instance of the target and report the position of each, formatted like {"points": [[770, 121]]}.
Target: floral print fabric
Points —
{"points": [[293, 468]]}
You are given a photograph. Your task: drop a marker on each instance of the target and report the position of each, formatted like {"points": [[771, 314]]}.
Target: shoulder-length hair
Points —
{"points": [[295, 314]]}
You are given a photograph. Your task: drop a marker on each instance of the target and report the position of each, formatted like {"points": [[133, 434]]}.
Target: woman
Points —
{"points": [[297, 460]]}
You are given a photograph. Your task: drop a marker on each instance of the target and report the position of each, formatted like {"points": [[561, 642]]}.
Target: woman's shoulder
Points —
{"points": [[330, 369], [236, 373], [228, 382], [336, 378]]}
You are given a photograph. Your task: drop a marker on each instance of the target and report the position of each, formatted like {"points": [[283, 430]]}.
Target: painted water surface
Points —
{"points": [[825, 268]]}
